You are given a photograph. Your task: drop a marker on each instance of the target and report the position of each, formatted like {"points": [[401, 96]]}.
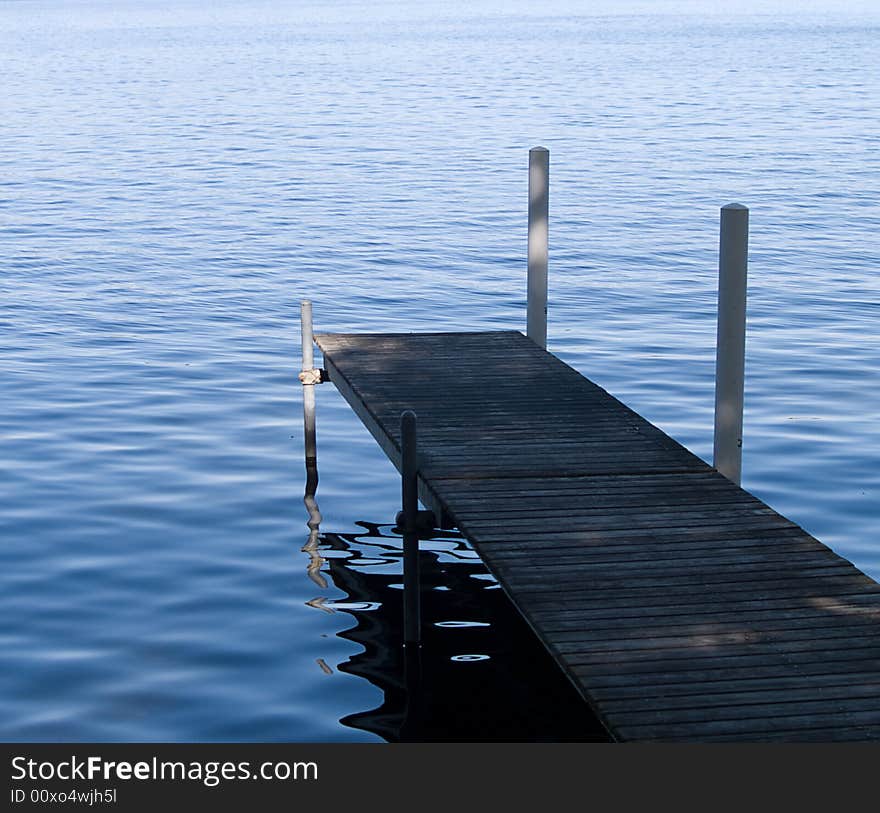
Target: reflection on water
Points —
{"points": [[480, 674], [316, 561]]}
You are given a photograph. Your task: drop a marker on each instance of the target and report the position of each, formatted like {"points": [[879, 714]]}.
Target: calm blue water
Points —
{"points": [[175, 178]]}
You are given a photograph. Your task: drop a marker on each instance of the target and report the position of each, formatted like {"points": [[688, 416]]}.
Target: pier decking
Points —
{"points": [[680, 606]]}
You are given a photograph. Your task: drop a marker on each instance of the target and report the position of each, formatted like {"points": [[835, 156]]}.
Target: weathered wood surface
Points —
{"points": [[681, 606]]}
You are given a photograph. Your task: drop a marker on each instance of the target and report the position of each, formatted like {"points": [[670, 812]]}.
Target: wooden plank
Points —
{"points": [[591, 576], [715, 620], [680, 606], [645, 552], [655, 558], [640, 481], [671, 604], [525, 503], [695, 522], [592, 504], [836, 715], [718, 671], [800, 713], [676, 538], [731, 656], [813, 626], [834, 733], [604, 517], [587, 489], [722, 585], [800, 639], [681, 529], [777, 695], [703, 691]]}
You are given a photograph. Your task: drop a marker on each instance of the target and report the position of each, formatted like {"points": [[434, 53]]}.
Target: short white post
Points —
{"points": [[412, 632], [731, 344], [307, 377], [539, 229]]}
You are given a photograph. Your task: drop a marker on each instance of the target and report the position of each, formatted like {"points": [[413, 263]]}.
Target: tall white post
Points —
{"points": [[309, 376], [308, 381], [539, 227], [731, 345]]}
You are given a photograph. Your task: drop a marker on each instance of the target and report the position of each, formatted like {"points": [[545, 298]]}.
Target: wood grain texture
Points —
{"points": [[681, 606]]}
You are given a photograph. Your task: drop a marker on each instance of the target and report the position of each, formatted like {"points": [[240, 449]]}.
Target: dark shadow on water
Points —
{"points": [[480, 674]]}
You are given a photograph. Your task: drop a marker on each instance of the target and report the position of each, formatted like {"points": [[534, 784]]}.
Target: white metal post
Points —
{"points": [[308, 376], [308, 365], [539, 197], [730, 349]]}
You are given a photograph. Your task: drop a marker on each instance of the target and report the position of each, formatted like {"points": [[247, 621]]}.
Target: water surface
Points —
{"points": [[175, 178]]}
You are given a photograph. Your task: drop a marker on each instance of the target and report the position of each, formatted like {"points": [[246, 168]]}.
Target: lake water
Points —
{"points": [[175, 177]]}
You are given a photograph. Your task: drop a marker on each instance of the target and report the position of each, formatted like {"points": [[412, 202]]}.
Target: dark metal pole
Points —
{"points": [[412, 632]]}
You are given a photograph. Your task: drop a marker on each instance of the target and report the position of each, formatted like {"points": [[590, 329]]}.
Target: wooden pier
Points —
{"points": [[680, 606]]}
